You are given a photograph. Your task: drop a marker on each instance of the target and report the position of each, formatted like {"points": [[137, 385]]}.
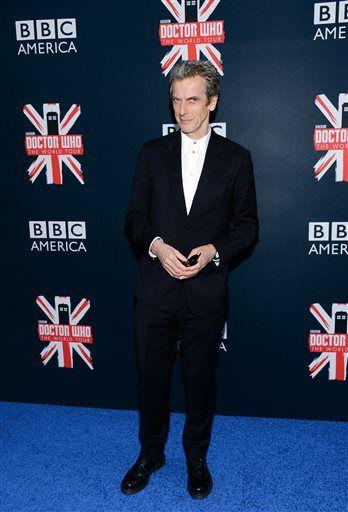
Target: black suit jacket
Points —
{"points": [[223, 212]]}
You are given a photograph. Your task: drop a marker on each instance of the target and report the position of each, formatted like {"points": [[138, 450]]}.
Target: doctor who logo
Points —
{"points": [[333, 140], [332, 344], [192, 34], [63, 332], [54, 146]]}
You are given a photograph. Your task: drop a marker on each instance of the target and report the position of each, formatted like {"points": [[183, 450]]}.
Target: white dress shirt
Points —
{"points": [[192, 159]]}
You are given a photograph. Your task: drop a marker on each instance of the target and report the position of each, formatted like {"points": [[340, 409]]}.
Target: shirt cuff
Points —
{"points": [[216, 259], [151, 253]]}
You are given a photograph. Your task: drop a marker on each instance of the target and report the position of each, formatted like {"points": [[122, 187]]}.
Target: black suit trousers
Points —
{"points": [[157, 333]]}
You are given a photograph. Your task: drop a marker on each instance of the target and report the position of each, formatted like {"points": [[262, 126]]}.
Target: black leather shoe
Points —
{"points": [[199, 483], [137, 477]]}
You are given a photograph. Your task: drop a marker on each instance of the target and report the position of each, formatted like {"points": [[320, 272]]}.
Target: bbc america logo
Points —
{"points": [[223, 338], [219, 128], [57, 236], [329, 238], [46, 36], [331, 16]]}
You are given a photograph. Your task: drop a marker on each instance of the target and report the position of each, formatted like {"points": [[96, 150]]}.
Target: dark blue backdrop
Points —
{"points": [[273, 71]]}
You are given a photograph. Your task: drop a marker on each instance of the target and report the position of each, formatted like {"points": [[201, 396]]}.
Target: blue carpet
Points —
{"points": [[70, 459]]}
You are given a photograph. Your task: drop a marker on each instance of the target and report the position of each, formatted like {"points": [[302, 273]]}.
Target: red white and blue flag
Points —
{"points": [[54, 145], [63, 332], [332, 344], [333, 140], [192, 34]]}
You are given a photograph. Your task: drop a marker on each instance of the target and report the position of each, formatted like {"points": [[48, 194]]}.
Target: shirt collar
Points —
{"points": [[202, 143]]}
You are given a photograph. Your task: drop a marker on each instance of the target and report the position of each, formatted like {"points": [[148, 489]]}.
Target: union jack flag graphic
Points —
{"points": [[332, 140], [193, 34], [333, 346], [64, 334], [54, 146]]}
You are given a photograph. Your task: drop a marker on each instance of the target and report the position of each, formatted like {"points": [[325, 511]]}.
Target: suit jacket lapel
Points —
{"points": [[207, 178]]}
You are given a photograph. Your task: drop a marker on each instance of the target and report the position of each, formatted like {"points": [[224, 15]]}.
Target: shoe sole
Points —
{"points": [[134, 491], [201, 496]]}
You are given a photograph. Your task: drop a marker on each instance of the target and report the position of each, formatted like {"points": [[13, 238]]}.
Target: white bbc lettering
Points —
{"points": [[77, 230], [37, 229], [57, 229], [62, 28], [318, 231], [321, 232], [324, 13], [339, 231], [25, 30], [343, 12], [57, 236], [66, 28], [219, 128], [45, 29], [329, 238]]}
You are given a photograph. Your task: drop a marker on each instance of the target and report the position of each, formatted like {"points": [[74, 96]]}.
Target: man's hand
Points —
{"points": [[170, 258], [207, 254]]}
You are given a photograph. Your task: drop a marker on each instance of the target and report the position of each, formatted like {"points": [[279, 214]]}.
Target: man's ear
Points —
{"points": [[212, 103]]}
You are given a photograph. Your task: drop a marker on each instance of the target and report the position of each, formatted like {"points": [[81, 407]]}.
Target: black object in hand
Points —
{"points": [[192, 260]]}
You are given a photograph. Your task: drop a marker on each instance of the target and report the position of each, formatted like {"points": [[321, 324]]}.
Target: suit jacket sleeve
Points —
{"points": [[244, 229], [138, 227]]}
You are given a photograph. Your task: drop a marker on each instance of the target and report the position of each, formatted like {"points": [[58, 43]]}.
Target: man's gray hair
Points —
{"points": [[203, 68]]}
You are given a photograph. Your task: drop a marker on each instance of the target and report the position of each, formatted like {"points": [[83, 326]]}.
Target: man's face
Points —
{"points": [[191, 107]]}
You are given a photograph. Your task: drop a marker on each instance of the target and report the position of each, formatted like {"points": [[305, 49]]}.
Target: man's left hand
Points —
{"points": [[207, 253]]}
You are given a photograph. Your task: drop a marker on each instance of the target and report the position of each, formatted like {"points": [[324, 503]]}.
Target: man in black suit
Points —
{"points": [[193, 194]]}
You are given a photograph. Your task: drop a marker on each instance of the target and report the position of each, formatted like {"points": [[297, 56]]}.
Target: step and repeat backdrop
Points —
{"points": [[84, 85]]}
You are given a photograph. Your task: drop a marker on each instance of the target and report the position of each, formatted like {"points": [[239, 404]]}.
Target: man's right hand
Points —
{"points": [[170, 258]]}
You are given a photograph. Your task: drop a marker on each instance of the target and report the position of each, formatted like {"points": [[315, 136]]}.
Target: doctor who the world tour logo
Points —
{"points": [[54, 145], [192, 34], [332, 344], [333, 140], [63, 332]]}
